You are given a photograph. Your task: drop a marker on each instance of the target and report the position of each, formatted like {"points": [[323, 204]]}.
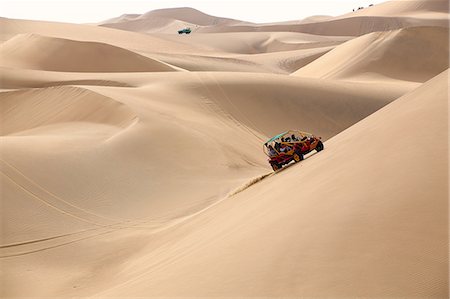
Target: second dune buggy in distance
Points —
{"points": [[290, 146], [185, 30]]}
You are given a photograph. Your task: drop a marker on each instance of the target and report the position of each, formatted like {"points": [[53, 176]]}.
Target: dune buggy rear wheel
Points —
{"points": [[297, 157], [275, 166]]}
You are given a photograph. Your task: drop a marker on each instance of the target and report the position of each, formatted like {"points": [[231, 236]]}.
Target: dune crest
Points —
{"points": [[167, 20], [398, 54], [25, 110], [406, 8], [56, 54], [391, 15]]}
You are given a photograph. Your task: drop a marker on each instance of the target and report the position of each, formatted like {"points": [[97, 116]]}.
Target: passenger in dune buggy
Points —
{"points": [[290, 146]]}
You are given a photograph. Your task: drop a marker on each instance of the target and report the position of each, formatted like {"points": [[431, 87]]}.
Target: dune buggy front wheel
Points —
{"points": [[319, 146]]}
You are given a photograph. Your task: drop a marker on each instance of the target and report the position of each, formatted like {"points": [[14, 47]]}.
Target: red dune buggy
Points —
{"points": [[290, 146]]}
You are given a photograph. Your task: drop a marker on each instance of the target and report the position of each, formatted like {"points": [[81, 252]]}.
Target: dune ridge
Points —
{"points": [[390, 15], [14, 78], [56, 105], [350, 26], [136, 42], [401, 8], [56, 54], [167, 20], [260, 42], [398, 54]]}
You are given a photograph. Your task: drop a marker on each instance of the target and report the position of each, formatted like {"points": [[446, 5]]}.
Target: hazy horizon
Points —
{"points": [[83, 11]]}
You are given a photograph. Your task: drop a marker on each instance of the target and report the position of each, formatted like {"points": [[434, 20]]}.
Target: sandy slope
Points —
{"points": [[25, 110], [257, 42], [31, 51], [196, 52], [153, 24], [128, 40], [192, 144], [140, 143], [368, 225], [399, 54], [190, 15], [328, 227], [406, 8], [273, 52], [390, 15], [146, 138], [120, 178], [168, 20], [264, 102], [284, 62]]}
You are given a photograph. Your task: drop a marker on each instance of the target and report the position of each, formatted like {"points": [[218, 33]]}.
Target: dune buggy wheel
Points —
{"points": [[275, 166], [319, 146], [297, 157]]}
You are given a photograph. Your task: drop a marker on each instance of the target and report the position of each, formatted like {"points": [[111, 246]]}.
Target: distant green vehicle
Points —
{"points": [[185, 30]]}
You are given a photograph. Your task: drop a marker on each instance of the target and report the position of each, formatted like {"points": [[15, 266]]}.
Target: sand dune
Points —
{"points": [[269, 103], [132, 41], [403, 8], [264, 102], [351, 26], [313, 19], [310, 19], [284, 62], [388, 242], [32, 51], [390, 15], [140, 142], [219, 111], [259, 42], [13, 78], [151, 25], [179, 122], [122, 18], [188, 14], [220, 63], [167, 20], [399, 54], [228, 242], [25, 110], [268, 52], [287, 62], [132, 166]]}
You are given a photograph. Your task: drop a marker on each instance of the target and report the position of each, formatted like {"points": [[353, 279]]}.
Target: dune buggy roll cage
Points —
{"points": [[286, 138]]}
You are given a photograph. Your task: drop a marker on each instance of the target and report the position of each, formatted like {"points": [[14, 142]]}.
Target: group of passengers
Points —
{"points": [[284, 148], [291, 139], [279, 148]]}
